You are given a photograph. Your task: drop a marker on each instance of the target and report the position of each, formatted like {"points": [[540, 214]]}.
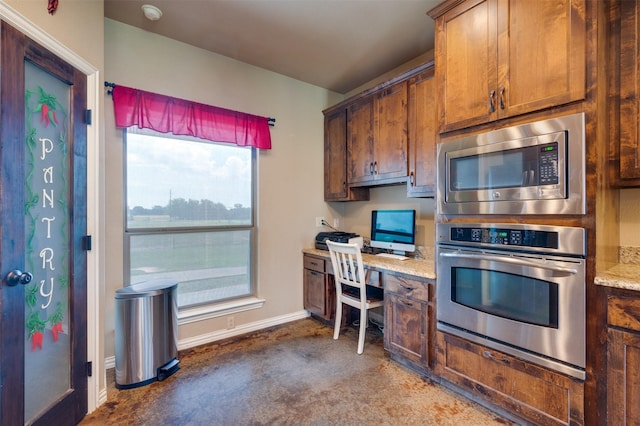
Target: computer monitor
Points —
{"points": [[394, 230]]}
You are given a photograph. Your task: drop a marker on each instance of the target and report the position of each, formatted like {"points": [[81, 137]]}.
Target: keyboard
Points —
{"points": [[392, 256]]}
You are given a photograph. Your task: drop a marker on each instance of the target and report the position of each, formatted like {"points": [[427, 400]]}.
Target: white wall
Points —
{"points": [[630, 217], [290, 176], [355, 216], [77, 24]]}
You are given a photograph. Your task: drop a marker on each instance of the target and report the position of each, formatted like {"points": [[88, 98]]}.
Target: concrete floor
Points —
{"points": [[294, 374]]}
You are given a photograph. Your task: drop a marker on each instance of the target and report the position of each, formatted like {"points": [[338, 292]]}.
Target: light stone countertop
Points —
{"points": [[424, 268], [626, 274], [623, 275]]}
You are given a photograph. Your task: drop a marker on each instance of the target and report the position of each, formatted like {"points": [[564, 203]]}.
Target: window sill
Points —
{"points": [[200, 313]]}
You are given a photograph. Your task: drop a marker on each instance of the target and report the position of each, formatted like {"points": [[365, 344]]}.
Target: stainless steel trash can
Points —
{"points": [[146, 332]]}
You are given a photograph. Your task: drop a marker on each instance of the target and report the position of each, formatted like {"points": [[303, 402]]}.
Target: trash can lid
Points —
{"points": [[146, 288]]}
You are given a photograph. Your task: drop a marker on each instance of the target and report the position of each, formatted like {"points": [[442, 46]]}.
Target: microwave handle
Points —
{"points": [[511, 260]]}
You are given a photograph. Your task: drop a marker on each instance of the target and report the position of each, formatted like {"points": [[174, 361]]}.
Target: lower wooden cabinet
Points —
{"points": [[319, 288], [623, 362], [535, 394], [409, 318]]}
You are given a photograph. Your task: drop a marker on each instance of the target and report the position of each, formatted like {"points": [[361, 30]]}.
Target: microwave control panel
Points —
{"points": [[548, 164]]}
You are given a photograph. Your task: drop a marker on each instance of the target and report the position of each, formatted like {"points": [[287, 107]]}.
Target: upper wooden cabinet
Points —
{"points": [[422, 135], [384, 135], [377, 137], [336, 187], [500, 58], [627, 19]]}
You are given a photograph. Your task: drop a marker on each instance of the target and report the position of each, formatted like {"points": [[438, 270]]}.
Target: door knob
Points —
{"points": [[16, 277]]}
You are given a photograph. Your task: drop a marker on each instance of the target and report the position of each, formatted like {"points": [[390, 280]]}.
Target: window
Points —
{"points": [[189, 215]]}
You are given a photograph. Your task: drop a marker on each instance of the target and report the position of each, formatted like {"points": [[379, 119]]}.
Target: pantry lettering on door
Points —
{"points": [[47, 234]]}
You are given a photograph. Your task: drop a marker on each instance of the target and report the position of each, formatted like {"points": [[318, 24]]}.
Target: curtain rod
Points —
{"points": [[110, 86]]}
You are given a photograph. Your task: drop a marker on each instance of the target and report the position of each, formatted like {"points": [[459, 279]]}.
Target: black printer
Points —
{"points": [[337, 236]]}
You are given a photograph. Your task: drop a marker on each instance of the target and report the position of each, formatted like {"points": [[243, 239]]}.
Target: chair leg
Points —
{"points": [[336, 328], [363, 328]]}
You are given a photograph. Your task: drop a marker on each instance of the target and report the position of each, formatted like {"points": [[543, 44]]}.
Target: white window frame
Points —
{"points": [[212, 309]]}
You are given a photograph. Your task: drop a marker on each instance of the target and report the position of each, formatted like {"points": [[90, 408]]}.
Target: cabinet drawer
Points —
{"points": [[624, 312], [541, 396], [314, 263], [407, 287]]}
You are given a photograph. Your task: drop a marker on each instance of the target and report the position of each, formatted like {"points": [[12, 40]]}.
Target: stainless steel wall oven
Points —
{"points": [[515, 288]]}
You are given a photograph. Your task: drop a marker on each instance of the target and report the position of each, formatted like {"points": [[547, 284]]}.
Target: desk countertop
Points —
{"points": [[424, 268]]}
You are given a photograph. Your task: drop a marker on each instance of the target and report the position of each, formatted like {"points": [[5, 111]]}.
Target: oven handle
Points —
{"points": [[507, 259]]}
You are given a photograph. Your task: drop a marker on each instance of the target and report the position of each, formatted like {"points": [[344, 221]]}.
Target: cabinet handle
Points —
{"points": [[404, 302], [407, 288], [492, 95], [371, 168], [492, 357], [411, 178], [501, 96], [375, 167]]}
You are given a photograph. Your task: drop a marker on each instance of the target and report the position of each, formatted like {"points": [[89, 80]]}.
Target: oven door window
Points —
{"points": [[506, 295]]}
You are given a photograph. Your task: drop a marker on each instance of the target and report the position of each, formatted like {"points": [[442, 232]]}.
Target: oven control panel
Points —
{"points": [[565, 240], [506, 236]]}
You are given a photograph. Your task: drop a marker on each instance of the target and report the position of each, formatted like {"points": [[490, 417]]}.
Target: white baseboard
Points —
{"points": [[203, 339]]}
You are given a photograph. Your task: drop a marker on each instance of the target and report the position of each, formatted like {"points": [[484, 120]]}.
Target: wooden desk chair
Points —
{"points": [[351, 288]]}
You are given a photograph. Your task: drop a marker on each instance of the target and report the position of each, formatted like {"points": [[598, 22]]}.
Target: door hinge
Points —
{"points": [[87, 116], [86, 242], [89, 369]]}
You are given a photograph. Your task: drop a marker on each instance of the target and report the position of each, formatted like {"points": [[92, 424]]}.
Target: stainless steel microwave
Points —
{"points": [[534, 168]]}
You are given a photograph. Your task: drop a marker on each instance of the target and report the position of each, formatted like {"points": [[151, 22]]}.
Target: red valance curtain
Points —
{"points": [[166, 114]]}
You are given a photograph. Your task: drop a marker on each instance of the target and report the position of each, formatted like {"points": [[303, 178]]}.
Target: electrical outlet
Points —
{"points": [[320, 220], [336, 222], [231, 323]]}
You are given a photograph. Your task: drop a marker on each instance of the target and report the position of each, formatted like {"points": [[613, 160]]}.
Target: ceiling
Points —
{"points": [[335, 44]]}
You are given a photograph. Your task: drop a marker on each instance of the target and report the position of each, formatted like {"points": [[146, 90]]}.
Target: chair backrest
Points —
{"points": [[348, 268]]}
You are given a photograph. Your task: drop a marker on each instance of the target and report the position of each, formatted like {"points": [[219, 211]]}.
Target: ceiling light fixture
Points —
{"points": [[151, 12]]}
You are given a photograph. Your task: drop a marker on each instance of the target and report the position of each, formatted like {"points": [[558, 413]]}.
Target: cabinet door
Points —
{"points": [[623, 378], [422, 135], [390, 135], [335, 160], [499, 58], [315, 293], [629, 92], [466, 54], [335, 155], [541, 54], [360, 140], [405, 327]]}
